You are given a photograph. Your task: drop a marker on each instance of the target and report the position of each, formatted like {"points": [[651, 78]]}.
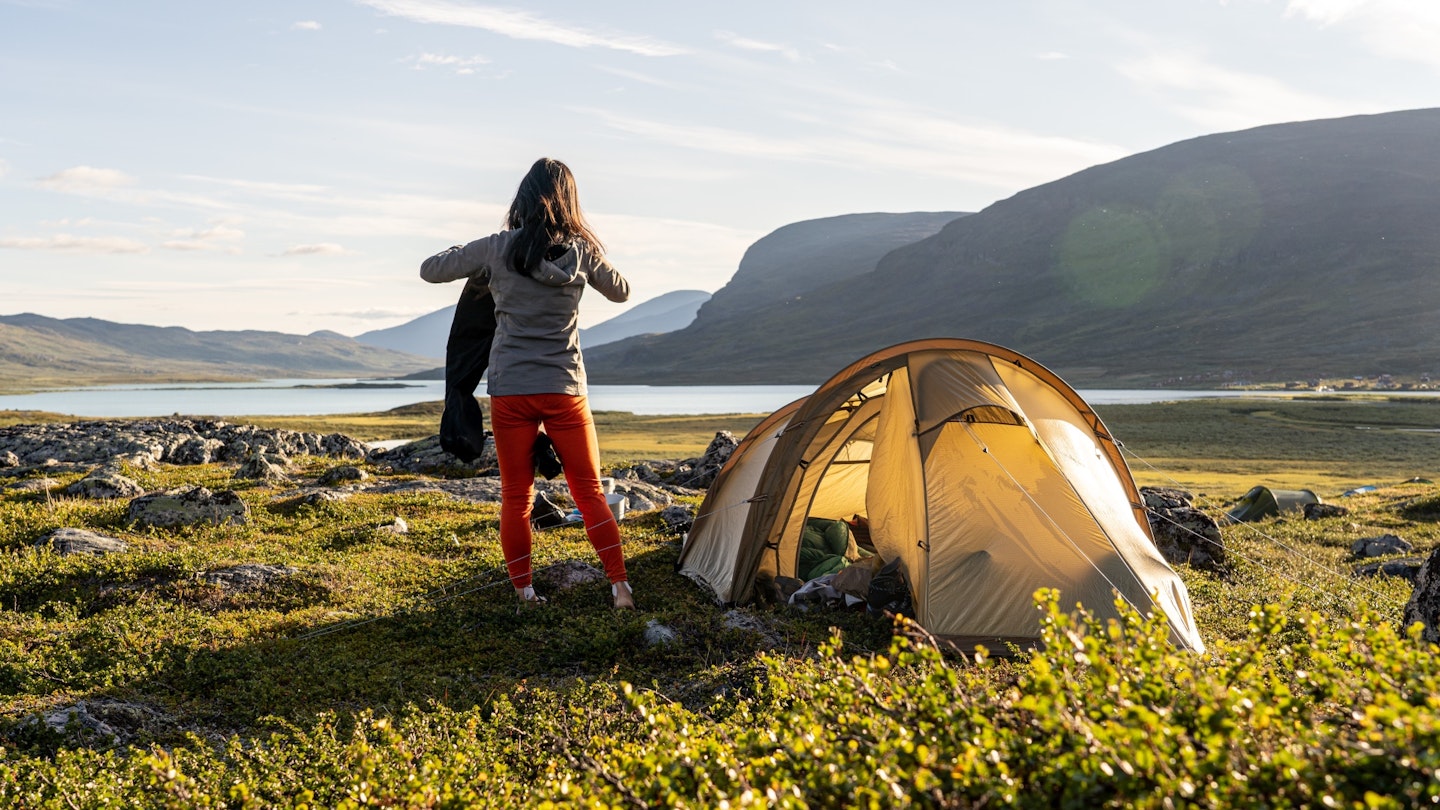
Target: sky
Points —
{"points": [[286, 166]]}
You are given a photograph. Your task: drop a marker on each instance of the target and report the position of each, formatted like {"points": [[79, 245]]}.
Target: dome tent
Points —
{"points": [[1261, 502], [981, 471]]}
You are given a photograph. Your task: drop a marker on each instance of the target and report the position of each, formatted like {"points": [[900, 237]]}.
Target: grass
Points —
{"points": [[393, 668]]}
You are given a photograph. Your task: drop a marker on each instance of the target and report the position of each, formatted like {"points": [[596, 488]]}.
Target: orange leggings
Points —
{"points": [[516, 421]]}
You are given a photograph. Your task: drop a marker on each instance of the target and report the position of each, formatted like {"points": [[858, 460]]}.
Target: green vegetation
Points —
{"points": [[393, 669]]}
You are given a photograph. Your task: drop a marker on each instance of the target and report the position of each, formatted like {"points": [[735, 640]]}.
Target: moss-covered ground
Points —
{"points": [[394, 670]]}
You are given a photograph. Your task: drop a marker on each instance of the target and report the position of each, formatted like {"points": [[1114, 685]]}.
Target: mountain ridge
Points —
{"points": [[1280, 252]]}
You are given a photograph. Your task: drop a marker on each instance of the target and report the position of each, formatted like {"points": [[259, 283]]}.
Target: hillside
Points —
{"points": [[427, 334], [1290, 251], [774, 275], [86, 351]]}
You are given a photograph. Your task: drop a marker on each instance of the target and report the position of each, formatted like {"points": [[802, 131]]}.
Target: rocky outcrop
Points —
{"points": [[248, 576], [105, 483], [427, 457], [1183, 534], [690, 476], [68, 541], [262, 465], [1424, 604], [187, 506], [174, 441]]}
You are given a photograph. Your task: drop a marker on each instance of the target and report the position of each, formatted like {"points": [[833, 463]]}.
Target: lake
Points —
{"points": [[330, 396]]}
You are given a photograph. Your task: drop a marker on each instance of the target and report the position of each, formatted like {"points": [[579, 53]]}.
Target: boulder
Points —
{"points": [[426, 456], [262, 465], [702, 470], [188, 506], [1320, 511], [1424, 604], [68, 541], [1404, 568], [1183, 534], [568, 575], [677, 518], [35, 485], [397, 526], [9, 459], [657, 634], [344, 474], [248, 576], [1379, 546], [105, 482]]}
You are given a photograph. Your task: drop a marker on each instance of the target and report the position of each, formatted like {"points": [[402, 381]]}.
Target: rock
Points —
{"points": [[657, 634], [426, 456], [197, 450], [1405, 568], [68, 541], [1166, 498], [320, 496], [643, 497], [35, 485], [568, 575], [9, 459], [1183, 534], [1379, 546], [188, 506], [105, 482], [1320, 511], [105, 720], [1424, 604], [344, 474], [677, 518], [248, 576], [399, 526], [702, 470], [77, 718], [746, 621], [261, 465]]}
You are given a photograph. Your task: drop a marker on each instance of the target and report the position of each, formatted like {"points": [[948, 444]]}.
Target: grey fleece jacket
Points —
{"points": [[537, 346]]}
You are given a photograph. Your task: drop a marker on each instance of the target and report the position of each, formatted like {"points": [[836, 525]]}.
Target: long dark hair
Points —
{"points": [[546, 212]]}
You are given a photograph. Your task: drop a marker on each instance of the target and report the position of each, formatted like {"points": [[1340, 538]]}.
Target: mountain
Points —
{"points": [[1290, 251], [85, 351], [426, 335], [663, 313]]}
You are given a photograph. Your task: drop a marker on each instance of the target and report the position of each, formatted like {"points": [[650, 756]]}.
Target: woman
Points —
{"points": [[536, 270]]}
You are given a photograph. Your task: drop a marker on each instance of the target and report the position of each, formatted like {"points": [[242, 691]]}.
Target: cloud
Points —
{"points": [[519, 25], [62, 242], [86, 180], [745, 44], [887, 137], [306, 25], [1399, 29], [462, 64], [1221, 99], [369, 314], [317, 249], [4, 169], [1052, 56], [218, 237]]}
